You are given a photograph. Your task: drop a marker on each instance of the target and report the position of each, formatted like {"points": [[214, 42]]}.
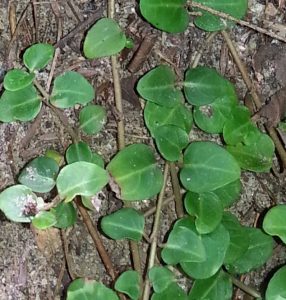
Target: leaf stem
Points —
{"points": [[176, 190], [247, 289]]}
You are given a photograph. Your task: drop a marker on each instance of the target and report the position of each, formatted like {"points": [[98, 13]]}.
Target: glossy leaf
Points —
{"points": [[40, 174], [78, 152], [134, 169], [207, 208], [205, 85], [71, 88], [274, 222], [167, 15], [276, 287], [105, 38], [160, 278], [19, 203], [216, 287], [44, 220], [92, 118], [65, 214], [22, 105], [159, 86], [258, 252], [173, 291], [80, 179], [38, 56], [208, 167], [89, 290], [17, 79], [129, 284]]}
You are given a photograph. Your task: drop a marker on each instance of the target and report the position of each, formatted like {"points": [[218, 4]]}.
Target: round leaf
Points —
{"points": [[208, 167], [92, 118], [159, 86], [44, 220], [80, 179], [274, 222], [17, 79], [167, 15], [38, 56], [97, 159], [276, 287], [161, 278], [126, 223], [71, 88], [65, 214], [105, 38], [78, 152], [172, 292], [56, 156], [22, 105], [40, 174], [129, 284], [135, 171]]}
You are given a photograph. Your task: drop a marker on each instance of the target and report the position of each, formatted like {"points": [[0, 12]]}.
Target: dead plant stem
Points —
{"points": [[247, 289]]}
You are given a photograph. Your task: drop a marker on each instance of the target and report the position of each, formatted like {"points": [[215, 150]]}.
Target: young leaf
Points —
{"points": [[208, 167], [56, 156], [129, 284], [89, 290], [19, 203], [259, 250], [126, 223], [105, 38], [40, 174], [172, 292], [170, 140], [80, 179], [38, 56], [78, 152], [216, 287], [44, 220], [22, 105], [135, 171], [92, 118], [204, 85], [160, 278], [71, 88], [207, 208], [65, 214], [159, 86], [274, 222], [97, 159], [167, 15], [17, 79], [276, 287]]}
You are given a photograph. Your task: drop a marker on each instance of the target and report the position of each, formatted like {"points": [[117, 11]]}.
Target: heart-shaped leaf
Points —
{"points": [[135, 171], [276, 287], [22, 105], [173, 291], [105, 38], [17, 79], [78, 152], [159, 86], [160, 278], [71, 88], [129, 284], [208, 167], [167, 15], [44, 220], [126, 223], [65, 215]]}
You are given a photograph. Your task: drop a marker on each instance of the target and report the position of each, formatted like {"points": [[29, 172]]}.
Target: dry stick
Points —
{"points": [[176, 190], [240, 22], [152, 210], [247, 289], [35, 19], [272, 132], [155, 231]]}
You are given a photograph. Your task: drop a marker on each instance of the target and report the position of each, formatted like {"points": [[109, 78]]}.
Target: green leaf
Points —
{"points": [[259, 251], [55, 155], [87, 289], [157, 115], [172, 292], [167, 15], [129, 284], [19, 203], [38, 56], [239, 239], [17, 79], [80, 179], [134, 169], [170, 140], [208, 167], [105, 38], [97, 159], [215, 244], [160, 278], [78, 152], [204, 85], [274, 222], [276, 287], [207, 208], [184, 245], [216, 287], [44, 220], [159, 86], [126, 223], [65, 215], [22, 105], [71, 88], [210, 22], [92, 118], [40, 174]]}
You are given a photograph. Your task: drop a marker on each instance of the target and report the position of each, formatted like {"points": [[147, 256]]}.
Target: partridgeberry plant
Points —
{"points": [[207, 244]]}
